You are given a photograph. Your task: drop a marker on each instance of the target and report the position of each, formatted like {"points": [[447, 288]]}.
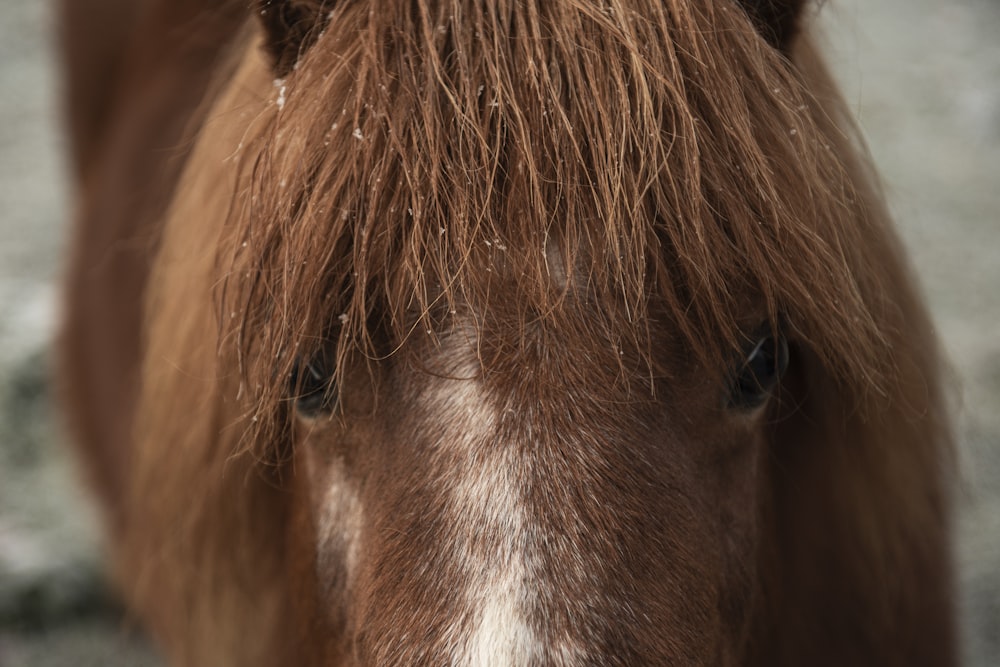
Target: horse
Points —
{"points": [[511, 333]]}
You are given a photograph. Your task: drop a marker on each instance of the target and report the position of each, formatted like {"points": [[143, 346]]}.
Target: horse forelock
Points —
{"points": [[427, 158]]}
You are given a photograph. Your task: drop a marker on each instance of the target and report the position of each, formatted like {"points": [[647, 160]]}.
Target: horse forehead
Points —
{"points": [[517, 482], [517, 332], [485, 454], [501, 357]]}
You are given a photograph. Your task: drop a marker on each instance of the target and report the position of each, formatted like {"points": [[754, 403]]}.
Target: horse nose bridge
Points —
{"points": [[547, 506]]}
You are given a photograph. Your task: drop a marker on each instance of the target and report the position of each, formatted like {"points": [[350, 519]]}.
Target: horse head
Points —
{"points": [[539, 333]]}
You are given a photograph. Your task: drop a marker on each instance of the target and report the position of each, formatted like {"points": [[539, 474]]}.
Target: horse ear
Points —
{"points": [[290, 28], [777, 20]]}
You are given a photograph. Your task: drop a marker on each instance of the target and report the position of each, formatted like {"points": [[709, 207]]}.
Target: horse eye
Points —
{"points": [[763, 366], [311, 387]]}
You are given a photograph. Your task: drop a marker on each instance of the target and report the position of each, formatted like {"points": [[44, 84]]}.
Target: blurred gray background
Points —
{"points": [[922, 75]]}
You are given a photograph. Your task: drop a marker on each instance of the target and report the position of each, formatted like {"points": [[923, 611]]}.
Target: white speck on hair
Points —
{"points": [[357, 134], [279, 84], [554, 264]]}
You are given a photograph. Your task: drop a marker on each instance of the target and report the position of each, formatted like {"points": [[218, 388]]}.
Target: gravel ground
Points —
{"points": [[922, 75]]}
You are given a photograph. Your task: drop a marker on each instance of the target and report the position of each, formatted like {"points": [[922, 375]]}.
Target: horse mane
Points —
{"points": [[422, 156]]}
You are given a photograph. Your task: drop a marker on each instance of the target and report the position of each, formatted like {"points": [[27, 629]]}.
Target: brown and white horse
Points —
{"points": [[524, 332]]}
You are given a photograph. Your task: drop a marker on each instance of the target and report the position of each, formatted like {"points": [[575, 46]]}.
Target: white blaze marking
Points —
{"points": [[339, 519], [498, 591], [490, 519]]}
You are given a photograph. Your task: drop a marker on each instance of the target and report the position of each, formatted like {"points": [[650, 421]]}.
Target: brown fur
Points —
{"points": [[138, 74], [581, 210]]}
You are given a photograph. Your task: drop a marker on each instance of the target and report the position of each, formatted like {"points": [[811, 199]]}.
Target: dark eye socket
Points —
{"points": [[764, 364], [312, 388]]}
